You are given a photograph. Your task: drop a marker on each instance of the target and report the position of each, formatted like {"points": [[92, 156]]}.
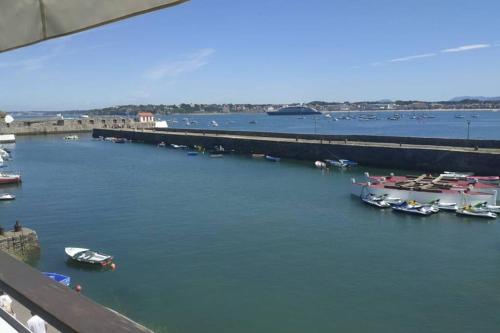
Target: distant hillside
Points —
{"points": [[477, 98]]}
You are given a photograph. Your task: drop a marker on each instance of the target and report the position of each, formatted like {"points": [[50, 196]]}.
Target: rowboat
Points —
{"points": [[63, 279], [88, 256]]}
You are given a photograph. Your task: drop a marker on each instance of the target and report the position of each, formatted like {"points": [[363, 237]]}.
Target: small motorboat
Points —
{"points": [[214, 123], [252, 122], [9, 178], [88, 256], [120, 140], [469, 211], [258, 155], [484, 206], [449, 206], [178, 146], [215, 155], [71, 137], [320, 165], [272, 158], [162, 144], [348, 163], [411, 208], [192, 153], [374, 202], [7, 197], [336, 163], [63, 279]]}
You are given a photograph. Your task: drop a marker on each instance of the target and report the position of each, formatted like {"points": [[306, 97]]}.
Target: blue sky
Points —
{"points": [[265, 51]]}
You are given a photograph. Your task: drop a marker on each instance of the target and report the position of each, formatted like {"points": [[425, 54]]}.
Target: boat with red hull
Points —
{"points": [[9, 178]]}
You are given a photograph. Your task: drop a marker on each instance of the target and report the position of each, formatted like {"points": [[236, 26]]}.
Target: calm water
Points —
{"points": [[485, 124], [242, 245]]}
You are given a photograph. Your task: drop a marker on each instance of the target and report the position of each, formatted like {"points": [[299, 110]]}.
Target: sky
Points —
{"points": [[265, 51]]}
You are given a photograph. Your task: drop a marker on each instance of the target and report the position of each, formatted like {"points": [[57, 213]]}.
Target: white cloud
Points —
{"points": [[187, 64], [418, 56], [466, 48]]}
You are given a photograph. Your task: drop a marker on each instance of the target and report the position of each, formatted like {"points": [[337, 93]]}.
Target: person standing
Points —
{"points": [[37, 324]]}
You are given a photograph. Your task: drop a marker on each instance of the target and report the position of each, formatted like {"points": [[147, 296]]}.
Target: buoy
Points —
{"points": [[113, 266], [78, 288]]}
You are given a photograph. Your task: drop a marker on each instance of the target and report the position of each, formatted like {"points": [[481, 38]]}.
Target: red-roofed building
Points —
{"points": [[145, 117]]}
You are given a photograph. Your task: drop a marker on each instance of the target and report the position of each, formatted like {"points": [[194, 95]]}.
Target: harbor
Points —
{"points": [[227, 233]]}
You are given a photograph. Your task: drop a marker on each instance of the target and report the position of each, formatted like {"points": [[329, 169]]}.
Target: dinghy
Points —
{"points": [[7, 196], [88, 256], [63, 279]]}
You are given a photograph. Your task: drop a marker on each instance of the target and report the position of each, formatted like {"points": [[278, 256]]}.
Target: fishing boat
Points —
{"points": [[469, 211], [88, 256], [272, 158], [7, 197], [412, 208], [62, 279], [9, 178]]}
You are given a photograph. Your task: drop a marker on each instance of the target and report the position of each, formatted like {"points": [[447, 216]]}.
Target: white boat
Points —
{"points": [[4, 154], [320, 165], [6, 197], [178, 146], [483, 206], [376, 203], [467, 211], [71, 137], [452, 175], [7, 138], [412, 208], [88, 256], [214, 123], [450, 206]]}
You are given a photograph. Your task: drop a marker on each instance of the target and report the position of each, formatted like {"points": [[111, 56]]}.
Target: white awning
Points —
{"points": [[24, 22]]}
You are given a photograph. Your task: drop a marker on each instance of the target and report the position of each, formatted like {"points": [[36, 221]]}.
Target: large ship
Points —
{"points": [[294, 111], [425, 188]]}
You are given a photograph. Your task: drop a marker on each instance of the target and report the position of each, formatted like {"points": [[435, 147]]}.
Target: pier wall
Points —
{"points": [[427, 158], [22, 244], [56, 125]]}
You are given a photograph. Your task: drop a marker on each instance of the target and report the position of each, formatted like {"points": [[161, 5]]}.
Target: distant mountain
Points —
{"points": [[479, 98]]}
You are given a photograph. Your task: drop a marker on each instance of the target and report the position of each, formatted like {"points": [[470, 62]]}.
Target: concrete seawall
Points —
{"points": [[56, 125], [395, 152]]}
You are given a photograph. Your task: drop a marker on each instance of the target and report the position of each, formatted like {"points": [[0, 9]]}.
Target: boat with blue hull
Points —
{"points": [[62, 279]]}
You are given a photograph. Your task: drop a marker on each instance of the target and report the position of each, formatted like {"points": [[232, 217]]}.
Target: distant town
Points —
{"points": [[385, 105], [479, 103]]}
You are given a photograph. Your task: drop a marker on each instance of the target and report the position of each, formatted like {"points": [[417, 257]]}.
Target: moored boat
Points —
{"points": [[412, 208], [376, 203], [71, 137], [469, 211], [7, 197], [62, 279], [272, 158], [88, 256], [9, 178]]}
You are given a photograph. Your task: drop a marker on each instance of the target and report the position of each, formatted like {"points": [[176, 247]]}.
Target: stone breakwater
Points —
{"points": [[20, 242], [423, 154], [56, 125]]}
